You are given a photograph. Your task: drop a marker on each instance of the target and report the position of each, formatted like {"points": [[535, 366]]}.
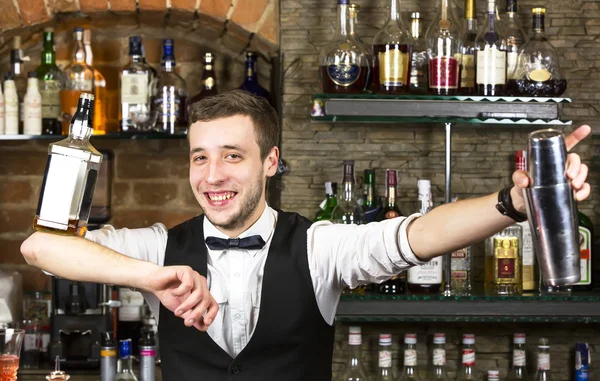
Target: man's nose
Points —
{"points": [[215, 172]]}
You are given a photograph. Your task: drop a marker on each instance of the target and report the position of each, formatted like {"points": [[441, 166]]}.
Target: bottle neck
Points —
{"points": [[443, 10], [89, 56], [32, 83], [538, 26], [251, 70], [390, 196], [126, 364], [472, 25], [394, 14], [79, 52], [168, 64], [342, 24], [354, 355], [415, 28], [16, 62], [348, 191], [136, 58], [491, 12], [48, 54], [470, 10]]}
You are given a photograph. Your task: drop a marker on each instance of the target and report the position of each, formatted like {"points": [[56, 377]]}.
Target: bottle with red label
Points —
{"points": [[410, 358], [519, 362], [443, 51], [543, 361], [467, 370], [438, 370]]}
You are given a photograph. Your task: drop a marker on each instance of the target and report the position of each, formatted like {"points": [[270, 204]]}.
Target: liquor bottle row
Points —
{"points": [[510, 265], [355, 369], [453, 56], [44, 101]]}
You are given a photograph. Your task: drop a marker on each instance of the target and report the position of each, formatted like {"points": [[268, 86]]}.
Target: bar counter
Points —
{"points": [[75, 375]]}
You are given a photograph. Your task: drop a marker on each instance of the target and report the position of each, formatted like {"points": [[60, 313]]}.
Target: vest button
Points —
{"points": [[235, 369]]}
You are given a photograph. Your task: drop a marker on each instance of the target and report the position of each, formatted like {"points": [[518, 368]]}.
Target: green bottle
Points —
{"points": [[327, 206], [51, 82], [586, 240], [369, 201]]}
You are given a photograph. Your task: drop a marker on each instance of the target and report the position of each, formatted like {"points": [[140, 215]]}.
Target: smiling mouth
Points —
{"points": [[219, 196]]}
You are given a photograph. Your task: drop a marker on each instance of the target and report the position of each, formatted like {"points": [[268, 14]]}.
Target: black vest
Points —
{"points": [[291, 341]]}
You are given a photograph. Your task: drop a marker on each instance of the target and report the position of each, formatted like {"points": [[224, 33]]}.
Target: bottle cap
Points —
{"points": [[468, 338], [439, 338], [543, 343], [135, 45], [415, 16], [124, 348], [385, 339], [328, 189], [519, 338], [493, 374], [392, 177], [410, 338], [107, 340], [539, 11], [354, 329], [32, 74], [8, 76]]}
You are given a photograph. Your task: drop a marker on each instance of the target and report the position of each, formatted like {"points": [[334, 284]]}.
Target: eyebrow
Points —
{"points": [[223, 147]]}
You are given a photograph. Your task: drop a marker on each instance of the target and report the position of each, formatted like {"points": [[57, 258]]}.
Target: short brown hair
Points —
{"points": [[239, 102]]}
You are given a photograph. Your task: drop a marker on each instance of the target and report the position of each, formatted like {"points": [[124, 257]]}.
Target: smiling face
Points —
{"points": [[227, 174]]}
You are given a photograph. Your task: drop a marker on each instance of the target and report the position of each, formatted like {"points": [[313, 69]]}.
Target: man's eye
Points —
{"points": [[233, 156], [199, 158]]}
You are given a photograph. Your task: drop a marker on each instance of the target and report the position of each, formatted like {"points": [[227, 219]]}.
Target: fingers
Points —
{"points": [[202, 315], [199, 291], [185, 275], [520, 179], [583, 193], [573, 166], [205, 321], [576, 136], [579, 179]]}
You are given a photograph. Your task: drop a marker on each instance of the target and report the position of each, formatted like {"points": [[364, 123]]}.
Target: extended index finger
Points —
{"points": [[576, 136]]}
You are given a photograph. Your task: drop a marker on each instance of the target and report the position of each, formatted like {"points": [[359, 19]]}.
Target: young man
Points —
{"points": [[274, 278]]}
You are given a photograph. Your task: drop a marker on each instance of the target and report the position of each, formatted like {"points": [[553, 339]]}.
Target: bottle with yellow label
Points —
{"points": [[503, 262]]}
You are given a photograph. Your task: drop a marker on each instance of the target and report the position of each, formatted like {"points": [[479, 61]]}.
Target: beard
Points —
{"points": [[248, 206]]}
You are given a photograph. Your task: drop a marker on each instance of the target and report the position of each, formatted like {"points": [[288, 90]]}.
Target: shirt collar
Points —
{"points": [[264, 226]]}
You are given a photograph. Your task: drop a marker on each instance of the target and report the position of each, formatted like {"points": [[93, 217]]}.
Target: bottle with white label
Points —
{"points": [[135, 97], [515, 38], [467, 371], [543, 361], [427, 278], [355, 370], [519, 362], [491, 56], [410, 358], [1, 112], [529, 271], [32, 123], [11, 106], [385, 358], [438, 371]]}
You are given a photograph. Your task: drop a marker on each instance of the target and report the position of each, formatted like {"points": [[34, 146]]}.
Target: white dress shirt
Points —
{"points": [[338, 256]]}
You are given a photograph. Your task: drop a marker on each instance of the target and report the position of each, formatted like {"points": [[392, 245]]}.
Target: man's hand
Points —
{"points": [[185, 292], [576, 172]]}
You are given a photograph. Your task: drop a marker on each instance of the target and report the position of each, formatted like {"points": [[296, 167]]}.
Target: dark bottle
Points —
{"points": [[491, 56], [51, 82], [468, 50], [369, 202], [209, 81], [538, 69], [251, 84], [586, 241], [344, 63]]}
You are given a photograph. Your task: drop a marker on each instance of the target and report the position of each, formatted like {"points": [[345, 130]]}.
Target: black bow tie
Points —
{"points": [[254, 242]]}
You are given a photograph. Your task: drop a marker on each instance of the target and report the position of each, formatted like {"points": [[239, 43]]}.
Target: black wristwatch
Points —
{"points": [[505, 205]]}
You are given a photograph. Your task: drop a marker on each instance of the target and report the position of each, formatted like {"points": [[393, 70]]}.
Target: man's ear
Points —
{"points": [[271, 162]]}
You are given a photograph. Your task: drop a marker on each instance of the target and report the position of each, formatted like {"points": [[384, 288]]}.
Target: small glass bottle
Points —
{"points": [[329, 203], [410, 358], [348, 210], [125, 372], [52, 81], [70, 177], [385, 358], [543, 361], [209, 81], [251, 84], [518, 371], [392, 49], [344, 63], [438, 369], [467, 370], [538, 68], [491, 56], [468, 49], [32, 103], [503, 262], [419, 66], [355, 370], [135, 83], [515, 38]]}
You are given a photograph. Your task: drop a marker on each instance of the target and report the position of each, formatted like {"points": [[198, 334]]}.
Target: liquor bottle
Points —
{"points": [[410, 358], [344, 63], [32, 103], [390, 206], [586, 239], [461, 271], [493, 375], [125, 358], [147, 347], [468, 49], [100, 117], [392, 49], [582, 361], [169, 94], [443, 50], [108, 357], [329, 203], [209, 81], [515, 38], [438, 370], [70, 178], [503, 262], [1, 112], [538, 68], [467, 370], [251, 84], [491, 56], [353, 10], [51, 82], [19, 75], [529, 269], [427, 278], [418, 63], [11, 105], [543, 361], [369, 201], [79, 78], [355, 370], [518, 371], [135, 82], [385, 358], [348, 210]]}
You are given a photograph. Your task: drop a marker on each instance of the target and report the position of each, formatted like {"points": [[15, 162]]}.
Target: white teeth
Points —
{"points": [[220, 197]]}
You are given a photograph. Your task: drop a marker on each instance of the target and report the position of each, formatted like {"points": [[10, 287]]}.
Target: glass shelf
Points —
{"points": [[583, 307], [115, 135], [416, 97]]}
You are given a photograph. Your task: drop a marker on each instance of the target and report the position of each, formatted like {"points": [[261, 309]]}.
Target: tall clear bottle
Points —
{"points": [[125, 358], [409, 373], [348, 210], [443, 50], [51, 82], [468, 49], [419, 65], [135, 81], [355, 370], [438, 368], [70, 178], [543, 361], [344, 63], [384, 372], [515, 38], [427, 278], [467, 369], [503, 262], [491, 56], [392, 49], [79, 78], [100, 117], [518, 371]]}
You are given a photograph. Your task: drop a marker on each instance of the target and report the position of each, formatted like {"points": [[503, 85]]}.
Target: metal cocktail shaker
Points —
{"points": [[551, 209]]}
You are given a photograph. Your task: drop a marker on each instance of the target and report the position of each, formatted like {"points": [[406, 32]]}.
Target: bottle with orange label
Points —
{"points": [[108, 357]]}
